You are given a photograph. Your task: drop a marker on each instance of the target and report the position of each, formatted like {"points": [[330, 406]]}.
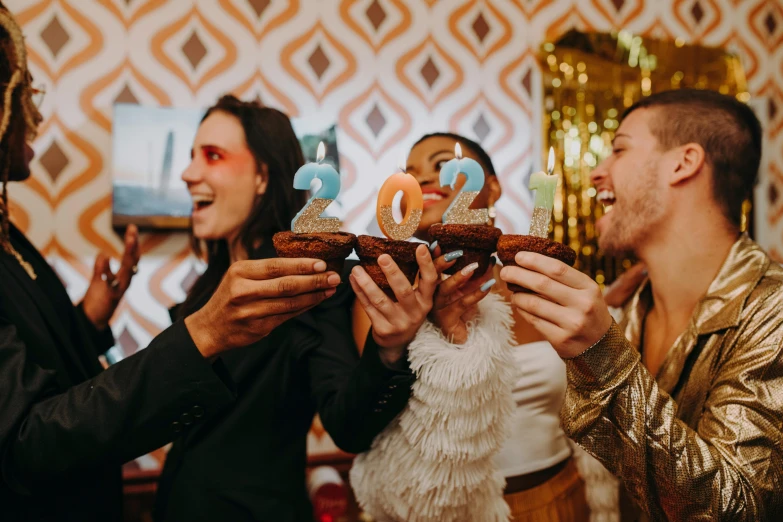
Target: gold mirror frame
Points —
{"points": [[589, 79]]}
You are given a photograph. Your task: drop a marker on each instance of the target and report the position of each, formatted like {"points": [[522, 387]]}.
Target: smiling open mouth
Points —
{"points": [[607, 199], [430, 198], [201, 201]]}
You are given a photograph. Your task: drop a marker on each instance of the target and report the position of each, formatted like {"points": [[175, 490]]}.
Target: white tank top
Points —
{"points": [[536, 439]]}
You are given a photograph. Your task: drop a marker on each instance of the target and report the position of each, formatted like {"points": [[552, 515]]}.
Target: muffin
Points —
{"points": [[510, 244], [369, 248], [477, 243], [331, 247]]}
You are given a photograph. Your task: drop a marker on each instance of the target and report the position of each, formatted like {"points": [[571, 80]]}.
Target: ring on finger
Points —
{"points": [[135, 269]]}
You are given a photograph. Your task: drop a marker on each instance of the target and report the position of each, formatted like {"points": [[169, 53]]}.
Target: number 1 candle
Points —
{"points": [[414, 203], [459, 212], [545, 185], [309, 219]]}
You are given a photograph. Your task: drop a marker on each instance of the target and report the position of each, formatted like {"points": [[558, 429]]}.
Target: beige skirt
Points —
{"points": [[560, 499]]}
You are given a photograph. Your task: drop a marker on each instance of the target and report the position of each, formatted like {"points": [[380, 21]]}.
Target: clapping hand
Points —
{"points": [[107, 288]]}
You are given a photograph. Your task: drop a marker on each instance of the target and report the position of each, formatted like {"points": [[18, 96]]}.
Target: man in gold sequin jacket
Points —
{"points": [[683, 399]]}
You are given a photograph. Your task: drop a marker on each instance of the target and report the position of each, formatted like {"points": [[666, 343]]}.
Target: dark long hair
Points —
{"points": [[272, 142], [477, 149]]}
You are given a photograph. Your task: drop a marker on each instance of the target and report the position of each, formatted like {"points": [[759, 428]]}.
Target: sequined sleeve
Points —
{"points": [[729, 468]]}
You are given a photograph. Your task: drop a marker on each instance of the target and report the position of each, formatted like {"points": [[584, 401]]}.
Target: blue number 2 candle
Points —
{"points": [[309, 220], [459, 212]]}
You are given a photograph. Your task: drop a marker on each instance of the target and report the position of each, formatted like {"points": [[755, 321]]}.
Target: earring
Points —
{"points": [[492, 213]]}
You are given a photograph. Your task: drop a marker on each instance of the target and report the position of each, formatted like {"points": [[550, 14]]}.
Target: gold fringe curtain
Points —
{"points": [[589, 80]]}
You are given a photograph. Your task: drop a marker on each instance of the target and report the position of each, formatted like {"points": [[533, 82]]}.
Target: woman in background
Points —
{"points": [[543, 481], [249, 462]]}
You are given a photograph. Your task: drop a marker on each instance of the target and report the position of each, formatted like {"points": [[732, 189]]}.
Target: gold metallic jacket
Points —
{"points": [[702, 440]]}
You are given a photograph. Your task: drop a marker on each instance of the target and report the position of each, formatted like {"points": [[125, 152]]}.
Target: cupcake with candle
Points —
{"points": [[463, 227], [311, 235], [396, 243], [537, 240]]}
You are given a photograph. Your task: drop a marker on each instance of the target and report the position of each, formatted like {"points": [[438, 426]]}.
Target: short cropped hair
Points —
{"points": [[727, 130]]}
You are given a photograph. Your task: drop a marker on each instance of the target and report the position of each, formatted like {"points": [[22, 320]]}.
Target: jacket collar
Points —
{"points": [[722, 305]]}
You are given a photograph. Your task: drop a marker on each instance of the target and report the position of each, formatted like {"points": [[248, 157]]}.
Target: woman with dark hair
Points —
{"points": [[67, 425], [471, 348], [249, 463]]}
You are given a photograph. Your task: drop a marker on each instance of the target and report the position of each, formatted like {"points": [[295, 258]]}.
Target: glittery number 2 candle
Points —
{"points": [[309, 219], [401, 181], [459, 212]]}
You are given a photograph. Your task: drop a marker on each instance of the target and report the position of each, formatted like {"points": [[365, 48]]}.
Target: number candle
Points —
{"points": [[459, 212], [309, 219], [401, 181], [545, 185]]}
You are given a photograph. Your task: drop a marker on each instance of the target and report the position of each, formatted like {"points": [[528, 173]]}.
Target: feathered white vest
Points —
{"points": [[433, 463]]}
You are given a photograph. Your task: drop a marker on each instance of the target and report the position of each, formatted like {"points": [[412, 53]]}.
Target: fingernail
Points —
{"points": [[319, 266], [433, 246], [451, 256], [384, 260], [470, 269], [330, 292], [333, 280], [489, 284]]}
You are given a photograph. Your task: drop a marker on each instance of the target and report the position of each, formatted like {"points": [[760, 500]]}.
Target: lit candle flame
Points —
{"points": [[321, 154], [550, 164], [458, 151]]}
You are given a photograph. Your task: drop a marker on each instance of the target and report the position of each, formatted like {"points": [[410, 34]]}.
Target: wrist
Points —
{"points": [[201, 335], [393, 357], [96, 320]]}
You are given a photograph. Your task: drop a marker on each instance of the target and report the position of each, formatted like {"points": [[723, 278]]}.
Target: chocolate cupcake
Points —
{"points": [[510, 244], [477, 243], [332, 247], [369, 248]]}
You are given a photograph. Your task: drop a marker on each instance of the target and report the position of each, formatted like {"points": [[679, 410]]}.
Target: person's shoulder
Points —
{"points": [[761, 320]]}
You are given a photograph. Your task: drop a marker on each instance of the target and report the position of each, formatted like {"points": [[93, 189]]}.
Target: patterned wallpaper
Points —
{"points": [[386, 71]]}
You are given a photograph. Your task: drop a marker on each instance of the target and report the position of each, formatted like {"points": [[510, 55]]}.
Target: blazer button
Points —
{"points": [[187, 419], [381, 401], [176, 427], [386, 395], [377, 410], [197, 411]]}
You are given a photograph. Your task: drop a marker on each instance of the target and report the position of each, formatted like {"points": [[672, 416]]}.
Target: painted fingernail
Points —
{"points": [[433, 246], [319, 266], [470, 269], [384, 260], [451, 256], [333, 280], [489, 284]]}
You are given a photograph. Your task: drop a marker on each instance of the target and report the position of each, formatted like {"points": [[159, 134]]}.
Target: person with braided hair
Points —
{"points": [[67, 425]]}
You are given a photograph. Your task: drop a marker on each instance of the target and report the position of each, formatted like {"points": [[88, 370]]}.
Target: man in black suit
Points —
{"points": [[66, 426]]}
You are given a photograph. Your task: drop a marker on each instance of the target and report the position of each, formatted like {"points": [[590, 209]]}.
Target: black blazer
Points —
{"points": [[66, 426], [248, 464]]}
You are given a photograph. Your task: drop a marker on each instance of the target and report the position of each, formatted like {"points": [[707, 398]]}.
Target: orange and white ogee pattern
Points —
{"points": [[386, 71]]}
